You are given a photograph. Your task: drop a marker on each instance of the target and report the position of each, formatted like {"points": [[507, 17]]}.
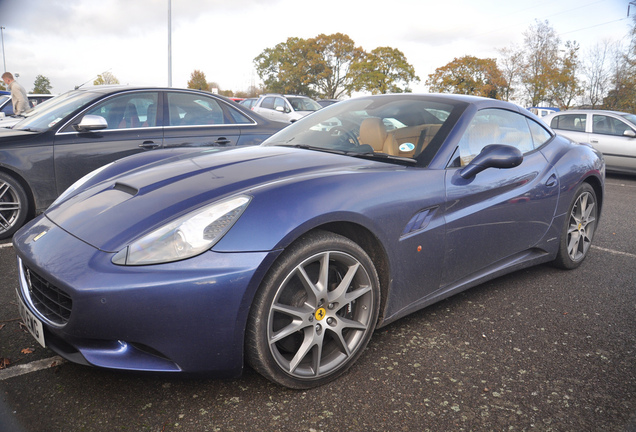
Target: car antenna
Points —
{"points": [[92, 79]]}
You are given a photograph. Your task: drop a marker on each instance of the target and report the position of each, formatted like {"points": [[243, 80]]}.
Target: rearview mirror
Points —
{"points": [[629, 133], [493, 156], [91, 123]]}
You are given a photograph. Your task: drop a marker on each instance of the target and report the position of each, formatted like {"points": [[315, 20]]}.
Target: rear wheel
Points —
{"points": [[315, 312], [13, 206], [579, 228]]}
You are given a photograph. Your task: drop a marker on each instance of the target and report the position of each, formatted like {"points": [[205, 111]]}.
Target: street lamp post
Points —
{"points": [[3, 59], [169, 43]]}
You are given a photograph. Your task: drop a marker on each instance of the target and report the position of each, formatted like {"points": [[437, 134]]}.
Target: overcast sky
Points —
{"points": [[72, 41]]}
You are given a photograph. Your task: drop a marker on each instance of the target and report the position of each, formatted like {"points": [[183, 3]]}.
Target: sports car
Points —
{"points": [[286, 256]]}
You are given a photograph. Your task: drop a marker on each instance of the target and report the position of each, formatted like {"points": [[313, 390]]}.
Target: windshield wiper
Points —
{"points": [[383, 156], [322, 149]]}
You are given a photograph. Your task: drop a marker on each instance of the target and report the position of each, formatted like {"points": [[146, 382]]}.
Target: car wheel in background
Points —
{"points": [[579, 228], [315, 312], [13, 206]]}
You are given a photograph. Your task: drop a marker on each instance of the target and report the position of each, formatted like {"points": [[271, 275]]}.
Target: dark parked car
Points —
{"points": [[84, 129], [291, 253]]}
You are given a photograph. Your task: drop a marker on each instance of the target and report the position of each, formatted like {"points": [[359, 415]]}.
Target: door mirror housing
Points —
{"points": [[91, 123], [493, 156], [630, 133]]}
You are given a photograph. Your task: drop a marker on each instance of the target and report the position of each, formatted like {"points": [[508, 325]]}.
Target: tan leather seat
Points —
{"points": [[373, 133]]}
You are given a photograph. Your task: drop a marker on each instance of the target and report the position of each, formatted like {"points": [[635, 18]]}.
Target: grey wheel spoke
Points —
{"points": [[340, 292], [309, 341], [4, 224]]}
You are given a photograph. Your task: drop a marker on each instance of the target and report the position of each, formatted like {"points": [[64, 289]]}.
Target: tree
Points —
{"points": [[290, 67], [337, 54], [622, 96], [106, 78], [42, 85], [198, 81], [540, 65], [597, 73], [565, 85], [469, 75], [511, 66], [383, 70]]}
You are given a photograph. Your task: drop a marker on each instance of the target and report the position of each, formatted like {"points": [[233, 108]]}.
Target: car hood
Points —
{"points": [[12, 136], [114, 212]]}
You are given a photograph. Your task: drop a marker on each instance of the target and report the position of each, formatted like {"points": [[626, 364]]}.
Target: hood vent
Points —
{"points": [[125, 188]]}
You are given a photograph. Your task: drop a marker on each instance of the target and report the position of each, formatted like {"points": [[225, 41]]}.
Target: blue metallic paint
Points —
{"points": [[431, 234]]}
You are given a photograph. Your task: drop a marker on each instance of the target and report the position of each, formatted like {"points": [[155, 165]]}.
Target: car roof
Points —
{"points": [[593, 111]]}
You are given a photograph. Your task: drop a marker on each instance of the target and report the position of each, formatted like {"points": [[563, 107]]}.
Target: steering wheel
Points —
{"points": [[350, 136]]}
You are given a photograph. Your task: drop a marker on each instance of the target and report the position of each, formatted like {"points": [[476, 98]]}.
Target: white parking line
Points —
{"points": [[35, 366], [615, 252], [6, 245]]}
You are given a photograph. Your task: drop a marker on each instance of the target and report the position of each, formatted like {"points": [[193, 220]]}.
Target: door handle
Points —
{"points": [[552, 181], [149, 145], [594, 141], [222, 141]]}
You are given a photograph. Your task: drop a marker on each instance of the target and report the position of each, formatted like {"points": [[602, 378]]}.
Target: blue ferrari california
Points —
{"points": [[288, 255]]}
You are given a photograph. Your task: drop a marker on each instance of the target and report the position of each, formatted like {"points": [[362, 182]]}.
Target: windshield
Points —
{"points": [[389, 127], [630, 117], [50, 113], [303, 104]]}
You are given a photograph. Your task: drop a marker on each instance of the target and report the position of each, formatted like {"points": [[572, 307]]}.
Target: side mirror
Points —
{"points": [[493, 156], [280, 109], [630, 133], [91, 123]]}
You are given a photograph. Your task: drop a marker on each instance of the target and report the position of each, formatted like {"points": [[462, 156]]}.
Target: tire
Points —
{"points": [[13, 206], [314, 313], [579, 228]]}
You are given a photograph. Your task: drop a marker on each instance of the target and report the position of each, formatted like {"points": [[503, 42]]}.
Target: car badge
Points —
{"points": [[39, 236], [320, 313]]}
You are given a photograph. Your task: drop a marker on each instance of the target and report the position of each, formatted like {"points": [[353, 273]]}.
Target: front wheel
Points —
{"points": [[315, 312], [13, 206], [578, 232]]}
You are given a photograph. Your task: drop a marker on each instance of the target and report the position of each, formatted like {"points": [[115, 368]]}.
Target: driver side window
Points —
{"points": [[494, 126]]}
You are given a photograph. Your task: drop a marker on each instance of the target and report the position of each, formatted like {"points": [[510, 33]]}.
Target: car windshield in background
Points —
{"points": [[303, 104], [381, 126], [51, 113]]}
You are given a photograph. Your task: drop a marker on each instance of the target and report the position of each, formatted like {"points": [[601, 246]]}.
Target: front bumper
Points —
{"points": [[186, 316]]}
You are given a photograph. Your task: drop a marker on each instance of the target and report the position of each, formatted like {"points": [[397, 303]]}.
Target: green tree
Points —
{"points": [[383, 70], [469, 75], [42, 85], [198, 81], [337, 53], [105, 79], [290, 67]]}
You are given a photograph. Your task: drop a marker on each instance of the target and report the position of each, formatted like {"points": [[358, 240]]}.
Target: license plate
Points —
{"points": [[32, 323]]}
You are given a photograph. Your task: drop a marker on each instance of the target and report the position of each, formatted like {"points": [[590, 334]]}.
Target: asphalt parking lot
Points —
{"points": [[538, 350]]}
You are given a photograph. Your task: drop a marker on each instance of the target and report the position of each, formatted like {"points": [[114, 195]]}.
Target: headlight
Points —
{"points": [[186, 236], [75, 186]]}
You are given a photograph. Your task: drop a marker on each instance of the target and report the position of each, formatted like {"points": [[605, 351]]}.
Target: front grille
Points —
{"points": [[54, 304]]}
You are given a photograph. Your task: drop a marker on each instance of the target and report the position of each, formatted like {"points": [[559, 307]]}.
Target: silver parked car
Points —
{"points": [[285, 108], [611, 132]]}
